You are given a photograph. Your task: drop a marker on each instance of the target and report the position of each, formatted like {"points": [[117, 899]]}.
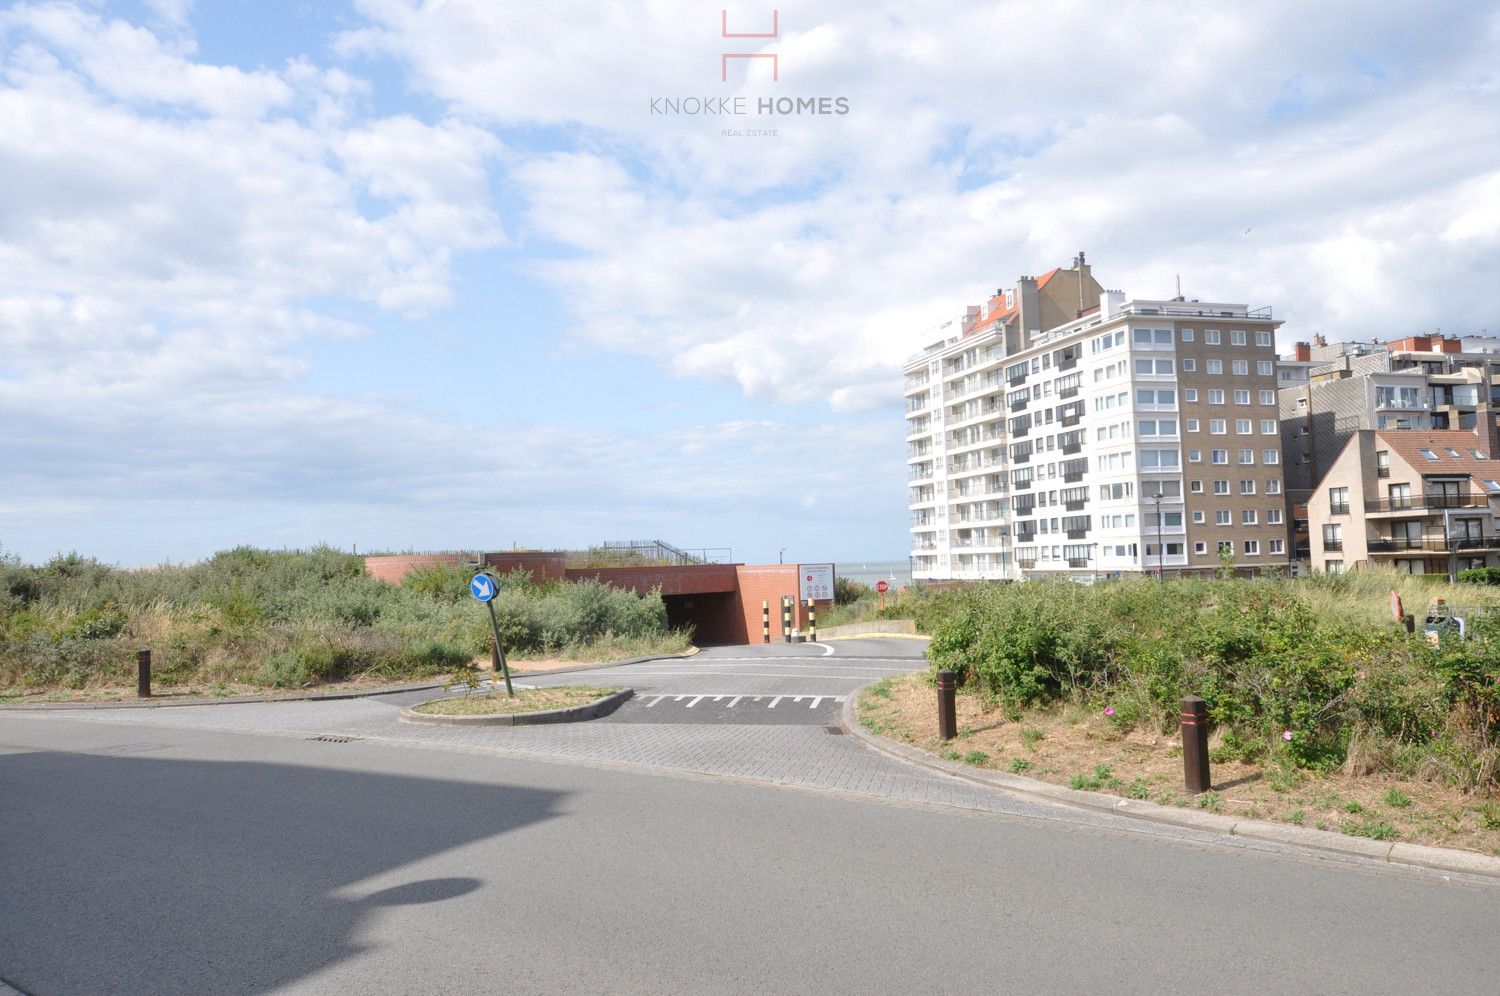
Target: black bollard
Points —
{"points": [[1195, 744], [143, 674], [947, 717]]}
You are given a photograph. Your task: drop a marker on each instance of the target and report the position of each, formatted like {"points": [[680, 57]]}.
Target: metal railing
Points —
{"points": [[1425, 502]]}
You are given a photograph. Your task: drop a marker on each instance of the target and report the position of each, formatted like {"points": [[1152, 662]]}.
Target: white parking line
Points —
{"points": [[734, 700], [827, 650], [695, 701], [774, 701], [815, 701]]}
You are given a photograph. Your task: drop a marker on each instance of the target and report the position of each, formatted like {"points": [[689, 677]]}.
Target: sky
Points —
{"points": [[465, 274]]}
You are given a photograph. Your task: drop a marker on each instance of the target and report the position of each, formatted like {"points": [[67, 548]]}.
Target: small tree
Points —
{"points": [[1226, 561]]}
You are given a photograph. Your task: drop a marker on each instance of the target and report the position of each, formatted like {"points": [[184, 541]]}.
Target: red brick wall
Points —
{"points": [[768, 583], [543, 566], [393, 568], [690, 580]]}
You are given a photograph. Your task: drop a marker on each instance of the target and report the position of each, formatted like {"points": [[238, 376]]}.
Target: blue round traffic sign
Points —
{"points": [[484, 587]]}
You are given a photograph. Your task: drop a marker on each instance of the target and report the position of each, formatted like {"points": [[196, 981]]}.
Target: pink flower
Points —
{"points": [[1286, 734], [1109, 710]]}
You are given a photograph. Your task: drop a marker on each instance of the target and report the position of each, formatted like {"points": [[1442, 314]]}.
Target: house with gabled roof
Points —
{"points": [[1420, 502]]}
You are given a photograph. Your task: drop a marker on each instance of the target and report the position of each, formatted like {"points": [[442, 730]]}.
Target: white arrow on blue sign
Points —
{"points": [[484, 587]]}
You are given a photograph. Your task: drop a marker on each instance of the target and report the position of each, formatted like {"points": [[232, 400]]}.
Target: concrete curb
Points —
{"points": [[1423, 855], [158, 703], [882, 627], [690, 652], [575, 714]]}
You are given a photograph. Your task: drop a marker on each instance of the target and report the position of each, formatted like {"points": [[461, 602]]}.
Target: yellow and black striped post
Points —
{"points": [[812, 622], [765, 621], [786, 617]]}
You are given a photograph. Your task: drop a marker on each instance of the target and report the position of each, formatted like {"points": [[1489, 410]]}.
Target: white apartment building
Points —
{"points": [[1065, 430]]}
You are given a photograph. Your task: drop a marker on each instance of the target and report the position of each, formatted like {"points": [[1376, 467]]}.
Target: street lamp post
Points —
{"points": [[1161, 551]]}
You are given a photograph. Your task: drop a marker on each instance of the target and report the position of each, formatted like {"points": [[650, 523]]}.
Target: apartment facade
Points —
{"points": [[1419, 502], [1063, 430]]}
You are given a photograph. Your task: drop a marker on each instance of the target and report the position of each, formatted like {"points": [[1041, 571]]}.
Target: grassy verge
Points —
{"points": [[525, 700], [1080, 747], [250, 620]]}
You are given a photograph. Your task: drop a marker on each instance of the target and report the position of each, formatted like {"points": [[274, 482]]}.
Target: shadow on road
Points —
{"points": [[140, 874]]}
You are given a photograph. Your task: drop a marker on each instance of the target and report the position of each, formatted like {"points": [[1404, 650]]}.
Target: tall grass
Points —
{"points": [[272, 618], [1314, 672]]}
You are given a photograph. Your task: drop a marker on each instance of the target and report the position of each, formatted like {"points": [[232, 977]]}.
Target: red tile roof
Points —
{"points": [[1408, 444]]}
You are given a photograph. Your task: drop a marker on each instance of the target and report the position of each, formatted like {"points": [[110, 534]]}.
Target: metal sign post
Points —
{"points": [[484, 587]]}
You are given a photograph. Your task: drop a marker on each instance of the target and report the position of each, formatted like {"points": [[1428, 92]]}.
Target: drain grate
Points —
{"points": [[835, 730], [329, 738]]}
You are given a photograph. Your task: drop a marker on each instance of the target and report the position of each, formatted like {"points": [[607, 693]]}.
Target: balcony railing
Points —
{"points": [[1382, 472], [1333, 544], [1424, 502], [1340, 508], [1402, 544]]}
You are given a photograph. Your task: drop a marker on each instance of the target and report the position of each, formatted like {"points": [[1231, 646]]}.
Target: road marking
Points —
{"points": [[876, 672], [734, 700], [695, 701], [654, 701], [815, 701], [827, 650], [774, 701]]}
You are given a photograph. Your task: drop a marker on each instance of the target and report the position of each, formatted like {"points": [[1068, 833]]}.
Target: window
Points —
{"points": [[1189, 364], [1273, 487], [1196, 487], [1190, 394], [1262, 338], [1242, 397], [1159, 458], [1268, 397], [1195, 456], [1200, 547], [1273, 516], [1264, 367], [1215, 366], [1226, 545], [1218, 426], [1427, 453], [1247, 457], [1241, 368], [1268, 427], [1276, 546], [1333, 566], [1270, 457], [1187, 335], [1221, 517], [1192, 425], [1242, 427], [1198, 518], [1237, 337], [1252, 548], [1338, 501], [1215, 396], [1221, 487], [1211, 336], [1247, 487], [1219, 456], [1249, 517]]}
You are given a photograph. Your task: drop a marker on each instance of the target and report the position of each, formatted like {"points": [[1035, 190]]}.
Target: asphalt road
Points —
{"points": [[151, 859]]}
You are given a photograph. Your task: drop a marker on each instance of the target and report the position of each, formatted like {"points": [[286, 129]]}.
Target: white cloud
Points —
{"points": [[985, 140]]}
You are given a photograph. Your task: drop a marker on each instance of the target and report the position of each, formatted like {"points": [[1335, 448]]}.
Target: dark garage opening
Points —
{"points": [[712, 616]]}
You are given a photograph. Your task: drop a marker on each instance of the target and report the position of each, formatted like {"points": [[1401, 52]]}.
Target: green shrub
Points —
{"points": [[1479, 575]]}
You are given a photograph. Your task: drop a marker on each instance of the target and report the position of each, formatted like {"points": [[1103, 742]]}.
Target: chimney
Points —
{"points": [[1318, 340], [1302, 352]]}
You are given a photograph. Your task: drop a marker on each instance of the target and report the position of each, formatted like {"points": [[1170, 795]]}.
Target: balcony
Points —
{"points": [[1016, 381], [1075, 506], [1382, 472], [1023, 485], [1077, 534], [1068, 420], [1404, 544], [1424, 503], [1068, 392], [1337, 544], [1077, 562], [1021, 458], [1026, 565], [1340, 508], [1019, 405], [1070, 448]]}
